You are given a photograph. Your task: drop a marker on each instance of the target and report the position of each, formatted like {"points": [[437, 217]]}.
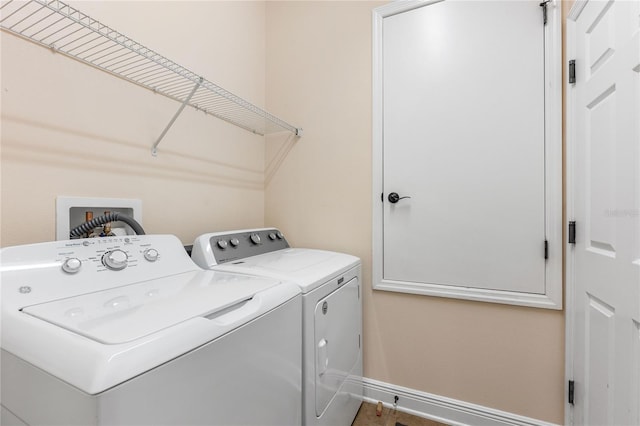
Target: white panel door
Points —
{"points": [[605, 154], [463, 90]]}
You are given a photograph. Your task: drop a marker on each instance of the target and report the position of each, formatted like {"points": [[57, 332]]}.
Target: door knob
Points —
{"points": [[394, 197]]}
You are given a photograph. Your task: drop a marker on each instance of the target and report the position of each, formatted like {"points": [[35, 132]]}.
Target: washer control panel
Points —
{"points": [[58, 269], [233, 246], [114, 254]]}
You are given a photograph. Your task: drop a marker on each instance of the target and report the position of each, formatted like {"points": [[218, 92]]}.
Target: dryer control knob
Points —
{"points": [[71, 265], [222, 244], [234, 242], [115, 260], [272, 236], [255, 239], [151, 254], [279, 235]]}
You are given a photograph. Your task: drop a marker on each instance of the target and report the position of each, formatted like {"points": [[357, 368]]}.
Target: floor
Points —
{"points": [[367, 417]]}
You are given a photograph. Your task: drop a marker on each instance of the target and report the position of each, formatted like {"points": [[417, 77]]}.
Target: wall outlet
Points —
{"points": [[70, 212]]}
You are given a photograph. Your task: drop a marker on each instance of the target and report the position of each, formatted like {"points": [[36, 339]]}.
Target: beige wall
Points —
{"points": [[318, 190], [68, 129], [71, 130]]}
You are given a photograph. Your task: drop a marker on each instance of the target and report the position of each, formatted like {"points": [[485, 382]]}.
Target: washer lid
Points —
{"points": [[127, 313]]}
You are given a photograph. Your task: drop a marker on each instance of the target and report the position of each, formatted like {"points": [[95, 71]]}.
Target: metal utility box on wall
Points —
{"points": [[71, 212]]}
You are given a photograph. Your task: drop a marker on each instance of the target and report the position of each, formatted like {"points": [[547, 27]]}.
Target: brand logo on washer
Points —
{"points": [[25, 289], [325, 308]]}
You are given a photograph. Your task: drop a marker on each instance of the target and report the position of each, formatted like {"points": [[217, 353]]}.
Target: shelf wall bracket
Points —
{"points": [[154, 149]]}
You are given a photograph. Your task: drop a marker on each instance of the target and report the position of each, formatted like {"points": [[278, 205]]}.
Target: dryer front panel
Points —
{"points": [[337, 341]]}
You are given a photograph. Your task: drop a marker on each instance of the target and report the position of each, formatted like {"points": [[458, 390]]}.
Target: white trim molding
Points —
{"points": [[442, 409], [552, 296]]}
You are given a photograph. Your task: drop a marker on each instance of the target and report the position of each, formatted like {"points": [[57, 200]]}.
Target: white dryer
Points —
{"points": [[128, 331], [331, 312]]}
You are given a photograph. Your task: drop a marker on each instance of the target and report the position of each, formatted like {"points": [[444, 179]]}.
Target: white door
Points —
{"points": [[463, 135], [604, 153]]}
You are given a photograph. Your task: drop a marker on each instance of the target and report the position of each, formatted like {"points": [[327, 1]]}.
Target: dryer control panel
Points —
{"points": [[224, 247]]}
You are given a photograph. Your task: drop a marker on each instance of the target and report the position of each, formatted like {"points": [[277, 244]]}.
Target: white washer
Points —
{"points": [[331, 312], [128, 331]]}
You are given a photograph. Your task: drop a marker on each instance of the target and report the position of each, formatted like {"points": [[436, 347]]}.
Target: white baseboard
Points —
{"points": [[442, 409]]}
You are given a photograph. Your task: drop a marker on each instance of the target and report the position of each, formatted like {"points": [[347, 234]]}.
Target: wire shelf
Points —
{"points": [[58, 26]]}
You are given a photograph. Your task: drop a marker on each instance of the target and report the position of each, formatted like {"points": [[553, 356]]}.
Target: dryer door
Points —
{"points": [[337, 341]]}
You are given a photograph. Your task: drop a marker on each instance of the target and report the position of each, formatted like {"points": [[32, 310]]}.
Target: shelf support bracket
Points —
{"points": [[154, 149]]}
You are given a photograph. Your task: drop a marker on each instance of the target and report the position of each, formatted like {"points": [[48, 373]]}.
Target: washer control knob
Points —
{"points": [[151, 254], [272, 236], [115, 260], [234, 242], [255, 239], [279, 235], [71, 265], [222, 244]]}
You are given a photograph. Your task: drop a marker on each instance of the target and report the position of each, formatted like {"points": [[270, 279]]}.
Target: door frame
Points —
{"points": [[570, 124], [552, 298]]}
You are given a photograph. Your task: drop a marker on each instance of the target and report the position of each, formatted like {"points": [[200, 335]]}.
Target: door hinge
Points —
{"points": [[571, 237], [543, 5], [572, 71], [571, 392], [546, 249]]}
